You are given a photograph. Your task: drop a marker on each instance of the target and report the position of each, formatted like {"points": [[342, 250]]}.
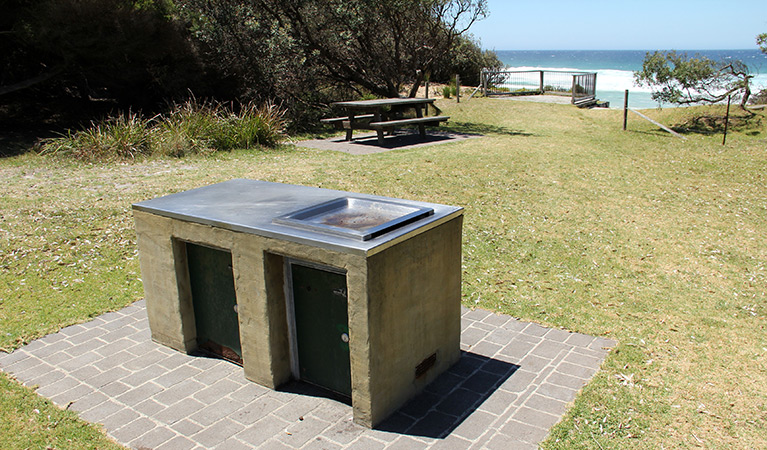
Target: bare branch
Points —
{"points": [[29, 82]]}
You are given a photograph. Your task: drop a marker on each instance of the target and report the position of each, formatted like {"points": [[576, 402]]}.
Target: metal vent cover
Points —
{"points": [[425, 365]]}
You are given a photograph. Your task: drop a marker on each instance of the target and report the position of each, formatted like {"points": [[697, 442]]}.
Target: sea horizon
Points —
{"points": [[615, 68]]}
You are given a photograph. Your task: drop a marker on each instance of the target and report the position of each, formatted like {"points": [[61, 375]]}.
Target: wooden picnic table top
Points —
{"points": [[383, 102]]}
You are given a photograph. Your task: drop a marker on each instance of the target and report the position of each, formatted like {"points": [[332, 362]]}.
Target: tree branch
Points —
{"points": [[29, 82]]}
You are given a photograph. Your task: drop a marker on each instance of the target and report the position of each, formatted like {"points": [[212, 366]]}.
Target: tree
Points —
{"points": [[375, 46], [466, 59], [761, 96], [98, 55], [676, 78], [117, 50]]}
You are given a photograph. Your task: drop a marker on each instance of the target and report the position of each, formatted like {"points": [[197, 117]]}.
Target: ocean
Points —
{"points": [[615, 69]]}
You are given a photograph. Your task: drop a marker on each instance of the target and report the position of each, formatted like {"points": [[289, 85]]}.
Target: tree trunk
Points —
{"points": [[416, 83]]}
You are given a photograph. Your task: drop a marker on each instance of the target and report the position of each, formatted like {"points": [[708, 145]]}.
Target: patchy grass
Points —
{"points": [[570, 222], [28, 421]]}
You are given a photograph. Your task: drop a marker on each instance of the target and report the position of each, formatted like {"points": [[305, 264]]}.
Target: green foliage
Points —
{"points": [[357, 45], [124, 137], [679, 79], [130, 51], [467, 59], [558, 89], [142, 54], [251, 126], [189, 128], [759, 98], [186, 129]]}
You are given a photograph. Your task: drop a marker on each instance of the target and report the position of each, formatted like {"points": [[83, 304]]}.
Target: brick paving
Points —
{"points": [[513, 383]]}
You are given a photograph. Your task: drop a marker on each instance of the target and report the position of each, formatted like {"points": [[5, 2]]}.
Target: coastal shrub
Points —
{"points": [[759, 98], [467, 59]]}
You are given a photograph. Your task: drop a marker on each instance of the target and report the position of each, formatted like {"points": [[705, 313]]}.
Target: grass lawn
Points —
{"points": [[570, 222]]}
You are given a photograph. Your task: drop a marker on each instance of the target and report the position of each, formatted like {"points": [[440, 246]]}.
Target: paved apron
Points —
{"points": [[512, 384], [366, 144]]}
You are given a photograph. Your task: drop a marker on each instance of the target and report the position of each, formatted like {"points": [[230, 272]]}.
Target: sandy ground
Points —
{"points": [[435, 91], [560, 99]]}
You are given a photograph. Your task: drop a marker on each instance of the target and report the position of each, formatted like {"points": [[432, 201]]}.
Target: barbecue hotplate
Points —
{"points": [[355, 218]]}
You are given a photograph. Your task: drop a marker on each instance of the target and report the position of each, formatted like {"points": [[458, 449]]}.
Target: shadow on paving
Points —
{"points": [[302, 388], [408, 139], [451, 398]]}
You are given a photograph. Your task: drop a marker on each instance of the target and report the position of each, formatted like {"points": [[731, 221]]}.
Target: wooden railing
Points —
{"points": [[580, 86]]}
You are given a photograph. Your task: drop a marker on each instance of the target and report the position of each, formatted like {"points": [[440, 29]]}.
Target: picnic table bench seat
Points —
{"points": [[389, 125], [435, 120], [342, 122]]}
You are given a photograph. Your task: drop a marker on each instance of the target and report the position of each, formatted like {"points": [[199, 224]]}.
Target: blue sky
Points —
{"points": [[622, 25]]}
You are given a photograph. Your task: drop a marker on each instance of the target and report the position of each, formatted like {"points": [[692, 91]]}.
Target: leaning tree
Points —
{"points": [[682, 80]]}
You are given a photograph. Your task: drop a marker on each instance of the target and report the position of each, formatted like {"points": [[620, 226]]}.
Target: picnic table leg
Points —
{"points": [[421, 127], [351, 127], [379, 131]]}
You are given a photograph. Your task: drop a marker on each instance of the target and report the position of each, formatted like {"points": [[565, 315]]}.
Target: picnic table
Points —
{"points": [[384, 115]]}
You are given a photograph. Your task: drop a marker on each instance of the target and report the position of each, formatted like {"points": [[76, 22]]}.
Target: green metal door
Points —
{"points": [[322, 328], [214, 300]]}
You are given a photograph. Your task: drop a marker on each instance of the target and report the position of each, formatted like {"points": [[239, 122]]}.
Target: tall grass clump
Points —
{"points": [[257, 126], [203, 127], [187, 129], [192, 127], [125, 136]]}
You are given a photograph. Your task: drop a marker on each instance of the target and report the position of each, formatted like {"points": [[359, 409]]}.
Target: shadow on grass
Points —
{"points": [[16, 143], [451, 398], [714, 124], [483, 128]]}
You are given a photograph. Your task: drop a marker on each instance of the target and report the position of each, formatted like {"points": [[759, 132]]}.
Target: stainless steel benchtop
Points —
{"points": [[249, 206]]}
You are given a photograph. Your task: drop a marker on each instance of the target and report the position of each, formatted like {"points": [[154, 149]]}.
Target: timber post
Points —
{"points": [[726, 120], [625, 109]]}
